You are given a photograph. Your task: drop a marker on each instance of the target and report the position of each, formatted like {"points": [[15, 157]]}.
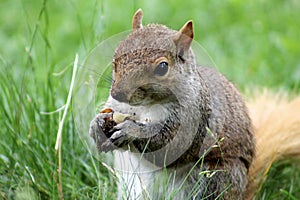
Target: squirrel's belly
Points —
{"points": [[140, 179], [134, 174]]}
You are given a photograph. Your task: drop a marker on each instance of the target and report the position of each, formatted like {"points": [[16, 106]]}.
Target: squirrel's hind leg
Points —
{"points": [[224, 181]]}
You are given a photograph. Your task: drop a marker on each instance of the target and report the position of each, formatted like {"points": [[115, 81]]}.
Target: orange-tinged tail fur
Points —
{"points": [[276, 119]]}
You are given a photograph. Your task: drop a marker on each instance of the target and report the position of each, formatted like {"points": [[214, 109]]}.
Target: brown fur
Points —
{"points": [[276, 119], [196, 98]]}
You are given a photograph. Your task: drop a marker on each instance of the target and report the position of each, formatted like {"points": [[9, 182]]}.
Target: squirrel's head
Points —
{"points": [[147, 64]]}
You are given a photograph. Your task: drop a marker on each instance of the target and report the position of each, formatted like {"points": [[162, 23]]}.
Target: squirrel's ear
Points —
{"points": [[137, 20], [184, 38]]}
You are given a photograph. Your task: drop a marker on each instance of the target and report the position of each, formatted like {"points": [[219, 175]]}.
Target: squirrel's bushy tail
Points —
{"points": [[276, 119]]}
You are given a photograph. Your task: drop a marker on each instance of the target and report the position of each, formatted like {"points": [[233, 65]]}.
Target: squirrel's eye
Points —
{"points": [[161, 69]]}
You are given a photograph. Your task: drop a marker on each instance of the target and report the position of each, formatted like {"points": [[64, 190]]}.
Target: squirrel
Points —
{"points": [[187, 133]]}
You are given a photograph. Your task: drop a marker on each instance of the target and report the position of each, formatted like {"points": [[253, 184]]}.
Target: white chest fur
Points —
{"points": [[139, 179]]}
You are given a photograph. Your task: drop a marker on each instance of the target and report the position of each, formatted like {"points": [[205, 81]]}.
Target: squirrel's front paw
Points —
{"points": [[100, 129], [110, 130], [124, 133]]}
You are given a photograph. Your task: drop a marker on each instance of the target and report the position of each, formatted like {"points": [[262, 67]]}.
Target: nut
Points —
{"points": [[120, 117]]}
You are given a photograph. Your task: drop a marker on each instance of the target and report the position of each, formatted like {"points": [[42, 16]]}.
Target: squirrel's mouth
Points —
{"points": [[151, 94], [147, 95]]}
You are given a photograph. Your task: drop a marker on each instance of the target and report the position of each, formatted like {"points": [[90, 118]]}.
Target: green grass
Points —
{"points": [[253, 43]]}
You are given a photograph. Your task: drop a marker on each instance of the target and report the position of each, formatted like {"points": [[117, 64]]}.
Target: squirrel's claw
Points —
{"points": [[108, 146], [121, 134], [118, 139]]}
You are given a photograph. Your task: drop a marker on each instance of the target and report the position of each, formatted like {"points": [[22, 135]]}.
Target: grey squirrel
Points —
{"points": [[187, 133]]}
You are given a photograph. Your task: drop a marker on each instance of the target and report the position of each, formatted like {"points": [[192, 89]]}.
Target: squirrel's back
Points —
{"points": [[229, 118]]}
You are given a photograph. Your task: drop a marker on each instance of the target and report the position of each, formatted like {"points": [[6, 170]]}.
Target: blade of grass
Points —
{"points": [[60, 128]]}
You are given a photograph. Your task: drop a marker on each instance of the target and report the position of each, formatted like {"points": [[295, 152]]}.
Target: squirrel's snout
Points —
{"points": [[119, 96]]}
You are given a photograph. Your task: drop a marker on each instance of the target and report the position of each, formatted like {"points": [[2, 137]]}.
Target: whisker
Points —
{"points": [[107, 78], [93, 68]]}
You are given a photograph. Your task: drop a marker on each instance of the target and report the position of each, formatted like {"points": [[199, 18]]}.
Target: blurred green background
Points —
{"points": [[254, 43]]}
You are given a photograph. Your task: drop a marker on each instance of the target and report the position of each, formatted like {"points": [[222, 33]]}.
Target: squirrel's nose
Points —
{"points": [[119, 96]]}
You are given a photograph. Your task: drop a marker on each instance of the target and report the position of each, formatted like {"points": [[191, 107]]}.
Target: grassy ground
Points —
{"points": [[254, 43]]}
